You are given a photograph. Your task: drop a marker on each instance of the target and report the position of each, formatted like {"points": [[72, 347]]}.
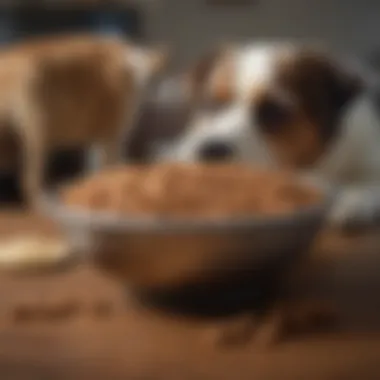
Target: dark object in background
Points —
{"points": [[163, 118], [39, 19], [373, 60], [157, 125], [62, 166]]}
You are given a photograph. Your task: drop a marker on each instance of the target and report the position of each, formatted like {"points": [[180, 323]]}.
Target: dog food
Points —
{"points": [[190, 191]]}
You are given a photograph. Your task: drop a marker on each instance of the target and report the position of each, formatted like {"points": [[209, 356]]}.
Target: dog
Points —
{"points": [[73, 91], [290, 106]]}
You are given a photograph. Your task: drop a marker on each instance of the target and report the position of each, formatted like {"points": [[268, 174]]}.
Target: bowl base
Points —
{"points": [[249, 290]]}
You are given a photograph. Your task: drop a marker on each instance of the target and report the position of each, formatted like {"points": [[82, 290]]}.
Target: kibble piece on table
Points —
{"points": [[32, 252]]}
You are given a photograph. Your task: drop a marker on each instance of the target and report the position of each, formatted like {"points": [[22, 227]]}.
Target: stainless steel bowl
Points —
{"points": [[151, 253]]}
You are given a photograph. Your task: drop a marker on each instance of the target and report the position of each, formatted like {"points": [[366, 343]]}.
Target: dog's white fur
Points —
{"points": [[351, 161]]}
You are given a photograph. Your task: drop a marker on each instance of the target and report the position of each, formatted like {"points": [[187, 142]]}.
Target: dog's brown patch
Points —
{"points": [[319, 90], [211, 77], [297, 142], [221, 85]]}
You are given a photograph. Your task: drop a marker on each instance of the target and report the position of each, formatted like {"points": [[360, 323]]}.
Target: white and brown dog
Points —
{"points": [[72, 91], [289, 106]]}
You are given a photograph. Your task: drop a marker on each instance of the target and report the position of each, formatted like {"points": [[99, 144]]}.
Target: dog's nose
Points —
{"points": [[216, 151]]}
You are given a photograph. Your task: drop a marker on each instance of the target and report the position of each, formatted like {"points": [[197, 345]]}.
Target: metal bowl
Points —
{"points": [[154, 253]]}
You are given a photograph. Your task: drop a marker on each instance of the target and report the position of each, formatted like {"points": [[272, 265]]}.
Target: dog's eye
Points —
{"points": [[272, 114]]}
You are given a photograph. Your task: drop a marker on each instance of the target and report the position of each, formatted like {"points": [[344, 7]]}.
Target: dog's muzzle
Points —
{"points": [[216, 151]]}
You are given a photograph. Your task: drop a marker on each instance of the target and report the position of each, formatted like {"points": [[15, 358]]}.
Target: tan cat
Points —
{"points": [[72, 91]]}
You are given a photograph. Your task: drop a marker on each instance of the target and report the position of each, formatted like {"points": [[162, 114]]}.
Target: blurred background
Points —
{"points": [[193, 26], [190, 27]]}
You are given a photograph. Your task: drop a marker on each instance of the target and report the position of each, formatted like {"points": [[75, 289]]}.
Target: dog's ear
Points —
{"points": [[196, 77], [326, 76], [345, 84], [373, 59], [203, 67], [148, 61], [159, 58], [323, 86]]}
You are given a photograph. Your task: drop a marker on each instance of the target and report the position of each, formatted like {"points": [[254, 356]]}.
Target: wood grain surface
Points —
{"points": [[105, 336]]}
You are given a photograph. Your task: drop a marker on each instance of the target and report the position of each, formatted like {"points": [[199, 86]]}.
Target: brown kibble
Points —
{"points": [[61, 311], [191, 191], [23, 313], [42, 313]]}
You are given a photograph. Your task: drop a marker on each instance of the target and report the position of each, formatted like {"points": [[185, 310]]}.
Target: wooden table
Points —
{"points": [[130, 343]]}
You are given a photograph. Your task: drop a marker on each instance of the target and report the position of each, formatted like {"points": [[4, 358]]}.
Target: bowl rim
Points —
{"points": [[109, 221]]}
